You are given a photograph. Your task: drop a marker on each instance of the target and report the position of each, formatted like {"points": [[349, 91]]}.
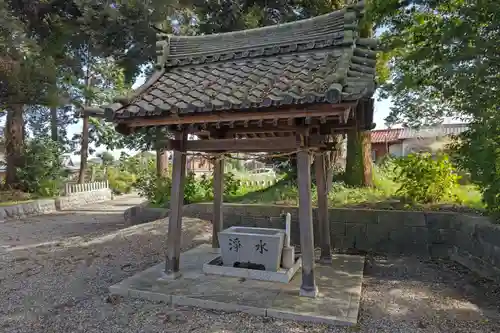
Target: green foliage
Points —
{"points": [[425, 178], [196, 189], [434, 48], [231, 184], [479, 152], [155, 189], [193, 191], [120, 182], [106, 157], [42, 172]]}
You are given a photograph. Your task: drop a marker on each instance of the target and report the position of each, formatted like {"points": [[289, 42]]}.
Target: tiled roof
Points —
{"points": [[396, 134], [319, 60], [385, 135], [433, 131]]}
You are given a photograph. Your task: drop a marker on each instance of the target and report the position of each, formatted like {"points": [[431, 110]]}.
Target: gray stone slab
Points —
{"points": [[337, 304], [217, 305]]}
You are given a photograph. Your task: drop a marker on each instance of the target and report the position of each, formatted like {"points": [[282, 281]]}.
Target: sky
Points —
{"points": [[382, 109]]}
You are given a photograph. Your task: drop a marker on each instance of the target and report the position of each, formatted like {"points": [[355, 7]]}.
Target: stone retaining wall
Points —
{"points": [[476, 244], [21, 210], [47, 206], [144, 214], [77, 199], [470, 240]]}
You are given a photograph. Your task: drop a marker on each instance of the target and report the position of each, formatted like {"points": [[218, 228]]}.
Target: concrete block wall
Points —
{"points": [[83, 198], [476, 244], [470, 240]]}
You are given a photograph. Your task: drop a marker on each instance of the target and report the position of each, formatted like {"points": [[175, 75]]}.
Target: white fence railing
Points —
{"points": [[259, 183], [71, 188]]}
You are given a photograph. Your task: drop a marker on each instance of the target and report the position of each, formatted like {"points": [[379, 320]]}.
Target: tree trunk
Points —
{"points": [[14, 139], [162, 163], [367, 158], [354, 159], [358, 160], [84, 151], [53, 124]]}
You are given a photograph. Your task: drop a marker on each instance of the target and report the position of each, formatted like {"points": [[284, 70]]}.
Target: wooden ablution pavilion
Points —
{"points": [[288, 88]]}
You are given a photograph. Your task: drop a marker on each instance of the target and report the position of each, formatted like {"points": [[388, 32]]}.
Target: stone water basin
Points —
{"points": [[259, 246]]}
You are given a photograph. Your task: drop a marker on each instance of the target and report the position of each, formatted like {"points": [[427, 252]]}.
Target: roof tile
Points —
{"points": [[302, 62]]}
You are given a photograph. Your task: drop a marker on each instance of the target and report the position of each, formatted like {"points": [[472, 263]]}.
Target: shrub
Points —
{"points": [[155, 189], [231, 184], [50, 188], [193, 190], [425, 178], [120, 182], [42, 172]]}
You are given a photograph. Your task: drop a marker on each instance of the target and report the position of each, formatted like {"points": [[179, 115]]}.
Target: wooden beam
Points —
{"points": [[311, 111], [176, 203], [265, 129], [243, 145], [308, 287], [323, 222], [217, 223]]}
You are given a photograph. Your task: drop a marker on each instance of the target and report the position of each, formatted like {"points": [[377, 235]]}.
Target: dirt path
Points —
{"points": [[55, 271]]}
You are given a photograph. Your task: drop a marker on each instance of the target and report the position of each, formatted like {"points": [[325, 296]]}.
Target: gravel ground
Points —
{"points": [[55, 271]]}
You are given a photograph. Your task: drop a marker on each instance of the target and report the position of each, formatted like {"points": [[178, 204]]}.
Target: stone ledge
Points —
{"points": [[83, 198], [143, 214], [49, 206], [32, 208]]}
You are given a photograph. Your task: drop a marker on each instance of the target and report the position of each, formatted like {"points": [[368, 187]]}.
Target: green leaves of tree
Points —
{"points": [[445, 62]]}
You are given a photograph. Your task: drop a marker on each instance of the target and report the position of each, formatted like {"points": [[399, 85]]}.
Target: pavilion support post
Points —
{"points": [[308, 287], [218, 202], [176, 203], [323, 223]]}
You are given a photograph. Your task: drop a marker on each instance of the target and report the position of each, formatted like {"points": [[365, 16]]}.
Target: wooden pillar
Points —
{"points": [[323, 222], [308, 287], [218, 201], [175, 217]]}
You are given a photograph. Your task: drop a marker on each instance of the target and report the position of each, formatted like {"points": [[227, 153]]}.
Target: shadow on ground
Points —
{"points": [[429, 295]]}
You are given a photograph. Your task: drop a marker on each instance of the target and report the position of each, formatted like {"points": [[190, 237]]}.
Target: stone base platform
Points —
{"points": [[282, 275], [337, 304]]}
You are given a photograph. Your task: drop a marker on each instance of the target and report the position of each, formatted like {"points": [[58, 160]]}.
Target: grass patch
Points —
{"points": [[465, 198], [12, 203], [10, 198]]}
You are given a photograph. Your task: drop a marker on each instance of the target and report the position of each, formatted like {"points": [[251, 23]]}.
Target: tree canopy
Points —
{"points": [[445, 62]]}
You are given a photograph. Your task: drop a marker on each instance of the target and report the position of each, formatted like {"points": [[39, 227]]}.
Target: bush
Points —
{"points": [[42, 172], [425, 178], [157, 189], [194, 190], [120, 182], [50, 188]]}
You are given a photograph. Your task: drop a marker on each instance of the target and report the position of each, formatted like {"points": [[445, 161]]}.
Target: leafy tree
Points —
{"points": [[106, 157], [445, 63], [42, 171], [68, 34], [216, 16], [103, 80], [27, 74]]}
